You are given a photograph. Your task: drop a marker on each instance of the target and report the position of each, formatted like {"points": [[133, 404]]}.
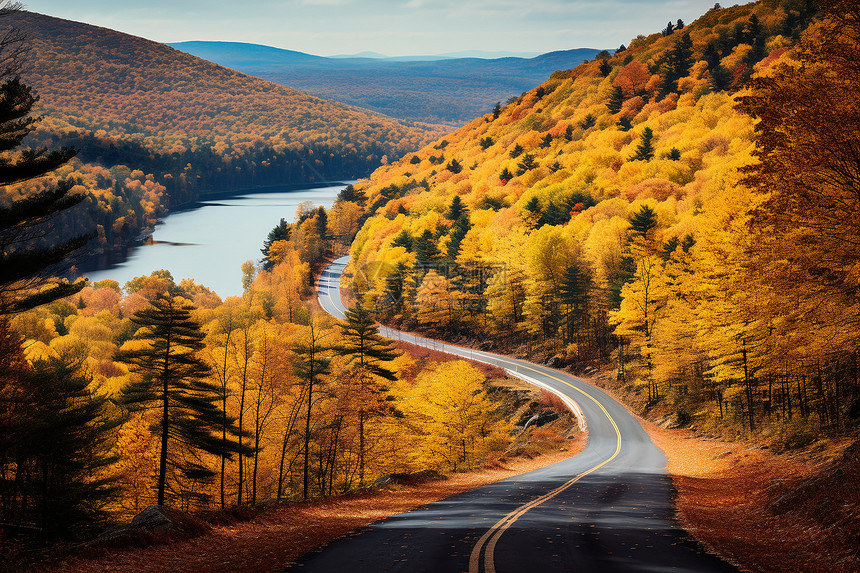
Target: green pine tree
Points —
{"points": [[425, 247], [54, 444], [526, 164], [73, 429], [353, 195], [643, 221], [588, 122], [554, 214], [458, 233], [364, 345], [711, 55], [568, 133], [678, 62], [605, 67], [281, 232], [403, 240], [645, 151], [721, 78], [616, 100], [454, 166], [368, 353], [26, 280], [173, 381], [392, 298], [574, 296], [457, 209], [533, 205]]}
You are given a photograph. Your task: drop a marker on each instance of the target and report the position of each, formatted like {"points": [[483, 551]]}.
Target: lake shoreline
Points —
{"points": [[207, 198], [202, 239]]}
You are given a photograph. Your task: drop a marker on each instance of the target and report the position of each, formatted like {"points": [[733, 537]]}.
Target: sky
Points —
{"points": [[390, 27]]}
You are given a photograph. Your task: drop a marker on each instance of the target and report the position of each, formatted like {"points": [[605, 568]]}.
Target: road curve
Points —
{"points": [[608, 509]]}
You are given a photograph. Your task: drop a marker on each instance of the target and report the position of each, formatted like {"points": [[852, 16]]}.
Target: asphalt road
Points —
{"points": [[608, 509]]}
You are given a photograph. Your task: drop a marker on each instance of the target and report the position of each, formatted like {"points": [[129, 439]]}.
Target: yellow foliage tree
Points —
{"points": [[459, 422]]}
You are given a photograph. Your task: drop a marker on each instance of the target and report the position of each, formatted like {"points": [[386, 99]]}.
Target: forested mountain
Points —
{"points": [[682, 212], [266, 401], [633, 212], [448, 90], [157, 127]]}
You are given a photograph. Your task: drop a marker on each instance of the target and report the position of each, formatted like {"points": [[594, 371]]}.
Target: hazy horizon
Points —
{"points": [[395, 28]]}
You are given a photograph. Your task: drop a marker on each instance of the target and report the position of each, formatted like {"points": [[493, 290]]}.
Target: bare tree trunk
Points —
{"points": [[749, 390], [224, 378], [291, 424], [246, 359], [165, 426]]}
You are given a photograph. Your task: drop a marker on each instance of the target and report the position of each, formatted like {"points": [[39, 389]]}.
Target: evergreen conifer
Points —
{"points": [[174, 382], [643, 221], [645, 151], [616, 100]]}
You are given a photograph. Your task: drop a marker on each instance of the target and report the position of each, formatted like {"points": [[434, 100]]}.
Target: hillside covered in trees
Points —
{"points": [[682, 212], [665, 209], [157, 128], [270, 400]]}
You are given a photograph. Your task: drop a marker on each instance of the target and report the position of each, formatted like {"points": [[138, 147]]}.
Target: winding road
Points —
{"points": [[608, 509]]}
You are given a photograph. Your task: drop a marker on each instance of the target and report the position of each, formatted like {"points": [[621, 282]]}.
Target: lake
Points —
{"points": [[210, 242]]}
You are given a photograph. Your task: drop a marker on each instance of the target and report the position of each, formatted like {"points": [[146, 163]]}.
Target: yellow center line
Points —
{"points": [[495, 532]]}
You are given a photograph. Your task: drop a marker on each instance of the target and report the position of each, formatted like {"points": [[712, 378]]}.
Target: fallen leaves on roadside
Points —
{"points": [[276, 537], [765, 511]]}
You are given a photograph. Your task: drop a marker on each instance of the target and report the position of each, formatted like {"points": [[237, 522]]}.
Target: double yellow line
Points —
{"points": [[487, 543]]}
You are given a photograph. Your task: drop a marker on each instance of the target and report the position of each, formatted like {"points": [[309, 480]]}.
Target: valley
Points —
{"points": [[645, 257]]}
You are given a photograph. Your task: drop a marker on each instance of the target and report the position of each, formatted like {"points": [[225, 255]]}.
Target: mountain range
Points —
{"points": [[435, 89]]}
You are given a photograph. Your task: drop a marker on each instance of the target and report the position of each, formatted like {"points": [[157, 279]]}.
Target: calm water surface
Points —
{"points": [[210, 243]]}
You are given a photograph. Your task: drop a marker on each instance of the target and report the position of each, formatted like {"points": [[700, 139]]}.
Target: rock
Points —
{"points": [[536, 420], [778, 505], [159, 518], [427, 475], [407, 478], [155, 524], [151, 518], [383, 480]]}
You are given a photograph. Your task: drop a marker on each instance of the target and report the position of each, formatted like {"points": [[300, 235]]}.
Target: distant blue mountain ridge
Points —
{"points": [[441, 88]]}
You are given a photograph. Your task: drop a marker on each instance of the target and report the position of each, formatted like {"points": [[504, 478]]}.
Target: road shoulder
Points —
{"points": [[764, 511]]}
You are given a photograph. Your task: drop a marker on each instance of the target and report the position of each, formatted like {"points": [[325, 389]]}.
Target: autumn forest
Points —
{"points": [[676, 217], [643, 210]]}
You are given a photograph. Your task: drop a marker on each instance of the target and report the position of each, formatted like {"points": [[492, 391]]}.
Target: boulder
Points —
{"points": [[166, 519], [408, 478]]}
